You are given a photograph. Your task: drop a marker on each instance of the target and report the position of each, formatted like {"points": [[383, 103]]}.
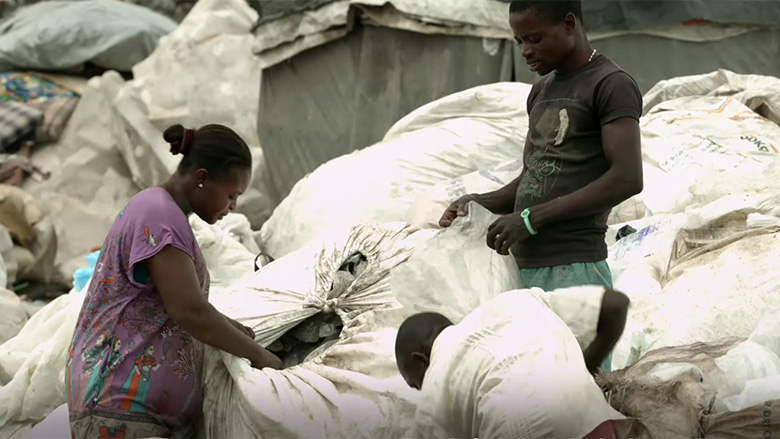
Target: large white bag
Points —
{"points": [[353, 388], [455, 272], [32, 364], [726, 284], [461, 133], [704, 139], [14, 315], [427, 208], [227, 258]]}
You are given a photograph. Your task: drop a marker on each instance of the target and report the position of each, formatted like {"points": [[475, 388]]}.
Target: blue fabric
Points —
{"points": [[83, 275]]}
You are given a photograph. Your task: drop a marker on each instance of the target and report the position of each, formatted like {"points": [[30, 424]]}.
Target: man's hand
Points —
{"points": [[506, 232], [455, 210]]}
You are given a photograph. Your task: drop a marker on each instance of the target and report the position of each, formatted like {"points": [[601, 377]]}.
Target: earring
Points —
{"points": [[200, 185]]}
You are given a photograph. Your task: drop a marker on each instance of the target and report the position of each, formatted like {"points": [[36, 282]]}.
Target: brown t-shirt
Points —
{"points": [[566, 113]]}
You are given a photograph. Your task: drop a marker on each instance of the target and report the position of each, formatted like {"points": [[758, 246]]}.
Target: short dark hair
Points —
{"points": [[215, 148], [416, 331], [555, 10]]}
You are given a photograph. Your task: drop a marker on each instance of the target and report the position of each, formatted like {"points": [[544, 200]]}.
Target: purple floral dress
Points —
{"points": [[132, 371]]}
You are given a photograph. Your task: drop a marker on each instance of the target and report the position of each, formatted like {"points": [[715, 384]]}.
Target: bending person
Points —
{"points": [[136, 362], [514, 367]]}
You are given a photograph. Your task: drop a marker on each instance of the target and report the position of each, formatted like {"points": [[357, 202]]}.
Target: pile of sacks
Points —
{"points": [[704, 243], [355, 255]]}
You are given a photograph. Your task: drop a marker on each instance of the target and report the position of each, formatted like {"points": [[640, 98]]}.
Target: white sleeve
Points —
{"points": [[578, 308]]}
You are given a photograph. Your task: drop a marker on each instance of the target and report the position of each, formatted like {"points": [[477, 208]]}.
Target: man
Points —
{"points": [[582, 154], [514, 368]]}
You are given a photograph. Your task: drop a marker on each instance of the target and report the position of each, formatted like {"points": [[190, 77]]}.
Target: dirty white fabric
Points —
{"points": [[14, 315], [695, 140], [512, 368], [227, 259], [720, 274], [728, 286], [353, 388], [32, 364], [455, 272], [113, 144], [202, 73], [90, 182], [453, 136], [427, 208], [65, 34], [759, 93], [670, 389]]}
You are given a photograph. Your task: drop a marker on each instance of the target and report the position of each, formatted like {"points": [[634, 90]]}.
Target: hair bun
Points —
{"points": [[179, 138]]}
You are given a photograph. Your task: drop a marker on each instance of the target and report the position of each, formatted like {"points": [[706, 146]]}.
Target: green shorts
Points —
{"points": [[566, 276]]}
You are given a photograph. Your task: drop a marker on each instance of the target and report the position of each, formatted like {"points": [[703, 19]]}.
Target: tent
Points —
{"points": [[338, 73]]}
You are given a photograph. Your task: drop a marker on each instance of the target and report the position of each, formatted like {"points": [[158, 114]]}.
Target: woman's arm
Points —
{"points": [[173, 274]]}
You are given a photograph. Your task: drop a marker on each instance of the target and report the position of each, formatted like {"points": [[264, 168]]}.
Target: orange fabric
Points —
{"points": [[128, 401]]}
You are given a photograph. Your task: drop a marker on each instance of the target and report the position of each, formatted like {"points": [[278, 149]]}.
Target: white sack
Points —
{"points": [[767, 332], [34, 362], [459, 134], [455, 272], [728, 372], [202, 73], [14, 315], [631, 346], [427, 208], [90, 182], [227, 259], [698, 139], [353, 389], [756, 392], [759, 93], [727, 286]]}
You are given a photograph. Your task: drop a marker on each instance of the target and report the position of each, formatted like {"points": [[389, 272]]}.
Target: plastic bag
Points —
{"points": [[84, 274]]}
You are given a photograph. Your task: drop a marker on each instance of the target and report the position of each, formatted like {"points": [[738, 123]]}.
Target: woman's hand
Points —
{"points": [[245, 329], [266, 359]]}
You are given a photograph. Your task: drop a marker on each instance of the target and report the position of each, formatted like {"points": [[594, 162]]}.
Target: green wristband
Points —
{"points": [[526, 215]]}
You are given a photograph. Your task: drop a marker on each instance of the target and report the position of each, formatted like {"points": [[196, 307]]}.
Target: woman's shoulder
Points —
{"points": [[155, 205]]}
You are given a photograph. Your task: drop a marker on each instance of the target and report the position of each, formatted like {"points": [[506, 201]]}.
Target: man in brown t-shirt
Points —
{"points": [[582, 153]]}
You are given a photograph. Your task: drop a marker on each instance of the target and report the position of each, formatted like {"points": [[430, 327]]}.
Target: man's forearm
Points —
{"points": [[612, 322], [603, 194], [501, 201]]}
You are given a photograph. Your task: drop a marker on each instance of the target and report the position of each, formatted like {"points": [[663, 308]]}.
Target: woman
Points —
{"points": [[136, 360]]}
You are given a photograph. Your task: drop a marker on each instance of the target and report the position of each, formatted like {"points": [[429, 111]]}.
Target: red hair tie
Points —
{"points": [[183, 146]]}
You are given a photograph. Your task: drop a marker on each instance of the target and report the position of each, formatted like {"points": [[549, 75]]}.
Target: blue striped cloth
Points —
{"points": [[18, 122]]}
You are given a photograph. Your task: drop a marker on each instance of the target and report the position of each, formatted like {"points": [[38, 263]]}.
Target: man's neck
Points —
{"points": [[580, 56]]}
